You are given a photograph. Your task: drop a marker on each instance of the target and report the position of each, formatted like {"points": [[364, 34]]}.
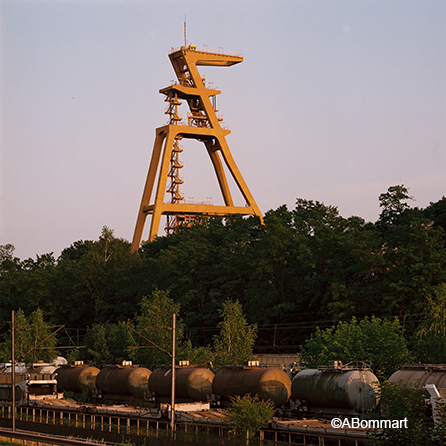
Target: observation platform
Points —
{"points": [[207, 57]]}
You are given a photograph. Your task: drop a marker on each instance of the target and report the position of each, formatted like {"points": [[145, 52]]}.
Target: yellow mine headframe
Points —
{"points": [[202, 124]]}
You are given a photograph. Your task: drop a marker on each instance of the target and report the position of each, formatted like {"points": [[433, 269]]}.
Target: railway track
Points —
{"points": [[40, 439]]}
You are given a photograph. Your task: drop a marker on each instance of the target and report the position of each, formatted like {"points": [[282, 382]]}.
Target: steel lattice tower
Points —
{"points": [[203, 125]]}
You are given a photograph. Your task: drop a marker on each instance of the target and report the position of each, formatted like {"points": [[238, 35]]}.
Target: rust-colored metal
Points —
{"points": [[419, 375], [191, 383], [123, 380], [203, 125], [76, 378], [268, 384]]}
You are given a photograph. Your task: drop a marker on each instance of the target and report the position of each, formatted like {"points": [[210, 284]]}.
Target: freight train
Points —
{"points": [[132, 384], [128, 390], [326, 392]]}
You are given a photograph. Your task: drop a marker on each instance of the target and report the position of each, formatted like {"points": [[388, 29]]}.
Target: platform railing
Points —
{"points": [[208, 51]]}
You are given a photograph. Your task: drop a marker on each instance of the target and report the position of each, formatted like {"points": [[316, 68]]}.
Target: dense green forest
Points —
{"points": [[303, 268]]}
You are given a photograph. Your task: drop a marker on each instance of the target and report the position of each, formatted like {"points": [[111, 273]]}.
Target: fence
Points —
{"points": [[140, 431]]}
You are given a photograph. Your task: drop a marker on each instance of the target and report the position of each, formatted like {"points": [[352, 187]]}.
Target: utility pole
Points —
{"points": [[13, 371], [172, 409], [172, 355]]}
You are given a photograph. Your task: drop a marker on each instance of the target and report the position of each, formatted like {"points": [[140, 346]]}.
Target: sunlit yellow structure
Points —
{"points": [[203, 125]]}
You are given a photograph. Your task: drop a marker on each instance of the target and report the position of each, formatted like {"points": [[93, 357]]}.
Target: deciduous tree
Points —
{"points": [[249, 414], [376, 341], [153, 340], [30, 332], [430, 337], [234, 344]]}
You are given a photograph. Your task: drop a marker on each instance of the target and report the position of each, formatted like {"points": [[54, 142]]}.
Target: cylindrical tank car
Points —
{"points": [[76, 378], [269, 384], [335, 391], [191, 383], [419, 375], [121, 382]]}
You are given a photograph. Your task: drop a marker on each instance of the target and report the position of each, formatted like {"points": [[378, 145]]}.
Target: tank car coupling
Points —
{"points": [[214, 400], [300, 406], [149, 396], [96, 394]]}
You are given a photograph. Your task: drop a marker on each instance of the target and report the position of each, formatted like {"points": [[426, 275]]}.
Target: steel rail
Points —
{"points": [[45, 439]]}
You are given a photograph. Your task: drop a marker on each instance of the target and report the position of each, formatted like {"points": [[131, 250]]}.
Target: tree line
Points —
{"points": [[303, 268], [147, 339]]}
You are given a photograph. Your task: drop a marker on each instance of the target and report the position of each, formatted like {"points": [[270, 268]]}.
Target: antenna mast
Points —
{"points": [[185, 41]]}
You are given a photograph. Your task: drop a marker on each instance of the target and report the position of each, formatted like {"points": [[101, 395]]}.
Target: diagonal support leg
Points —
{"points": [[221, 177], [147, 193], [235, 172]]}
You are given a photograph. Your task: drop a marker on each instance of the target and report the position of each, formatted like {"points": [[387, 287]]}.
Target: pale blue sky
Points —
{"points": [[335, 101]]}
